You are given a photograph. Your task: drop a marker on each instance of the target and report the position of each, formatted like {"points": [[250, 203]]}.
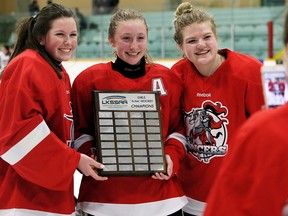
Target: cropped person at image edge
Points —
{"points": [[256, 184], [37, 164]]}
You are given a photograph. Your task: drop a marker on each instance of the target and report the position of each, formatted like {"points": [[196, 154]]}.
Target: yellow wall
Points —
{"points": [[85, 6], [226, 3], [7, 6], [157, 5]]}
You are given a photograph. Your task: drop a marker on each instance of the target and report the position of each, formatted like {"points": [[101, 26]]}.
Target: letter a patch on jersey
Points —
{"points": [[157, 85]]}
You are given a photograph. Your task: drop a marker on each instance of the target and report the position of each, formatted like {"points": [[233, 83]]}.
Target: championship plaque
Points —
{"points": [[128, 133]]}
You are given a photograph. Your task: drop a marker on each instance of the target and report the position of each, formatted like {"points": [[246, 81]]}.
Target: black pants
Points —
{"points": [[187, 214], [178, 213], [181, 213]]}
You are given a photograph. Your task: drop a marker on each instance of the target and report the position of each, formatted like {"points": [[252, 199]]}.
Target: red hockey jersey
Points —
{"points": [[37, 165], [130, 195], [214, 107], [253, 178]]}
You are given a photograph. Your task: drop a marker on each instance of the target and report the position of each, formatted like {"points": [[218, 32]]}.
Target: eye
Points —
{"points": [[126, 38], [60, 34], [207, 37], [141, 38], [73, 35], [191, 41]]}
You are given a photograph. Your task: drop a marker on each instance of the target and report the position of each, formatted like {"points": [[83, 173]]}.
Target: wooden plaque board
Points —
{"points": [[128, 133]]}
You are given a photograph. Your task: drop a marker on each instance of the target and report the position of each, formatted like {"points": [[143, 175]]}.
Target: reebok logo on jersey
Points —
{"points": [[203, 94], [206, 131]]}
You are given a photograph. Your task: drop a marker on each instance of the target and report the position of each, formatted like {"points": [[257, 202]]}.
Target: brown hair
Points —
{"points": [[185, 15], [29, 29]]}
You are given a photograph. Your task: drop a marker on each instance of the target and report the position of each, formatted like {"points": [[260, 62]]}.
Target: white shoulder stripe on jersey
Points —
{"points": [[24, 146], [180, 138], [81, 140]]}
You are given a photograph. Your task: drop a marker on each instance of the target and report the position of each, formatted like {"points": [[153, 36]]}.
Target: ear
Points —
{"points": [[41, 41], [180, 46], [111, 41]]}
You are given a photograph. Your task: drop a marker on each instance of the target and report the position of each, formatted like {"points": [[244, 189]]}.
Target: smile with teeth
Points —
{"points": [[202, 53], [65, 50], [133, 54]]}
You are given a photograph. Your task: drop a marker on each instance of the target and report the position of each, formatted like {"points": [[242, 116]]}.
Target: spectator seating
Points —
{"points": [[240, 29]]}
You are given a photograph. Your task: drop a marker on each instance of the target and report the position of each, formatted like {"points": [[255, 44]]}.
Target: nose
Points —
{"points": [[133, 44], [67, 39], [200, 43]]}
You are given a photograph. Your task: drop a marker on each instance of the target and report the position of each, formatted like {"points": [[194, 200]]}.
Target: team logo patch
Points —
{"points": [[207, 131]]}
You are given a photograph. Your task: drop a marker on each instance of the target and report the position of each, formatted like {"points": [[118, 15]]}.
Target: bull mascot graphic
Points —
{"points": [[206, 131]]}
